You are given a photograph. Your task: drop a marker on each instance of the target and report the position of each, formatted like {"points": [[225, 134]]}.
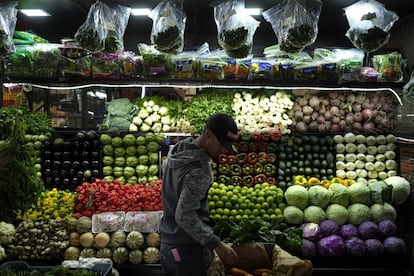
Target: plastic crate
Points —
{"points": [[22, 268]]}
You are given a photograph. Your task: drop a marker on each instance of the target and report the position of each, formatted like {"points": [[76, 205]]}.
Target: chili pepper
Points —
{"points": [[265, 136], [224, 169], [244, 147], [260, 178], [253, 146], [224, 179], [272, 147], [248, 180], [245, 136], [262, 157], [252, 158], [236, 169], [241, 158], [248, 169], [263, 146], [231, 159], [275, 135], [269, 169], [258, 168], [256, 136], [236, 180], [271, 158], [222, 158], [271, 181]]}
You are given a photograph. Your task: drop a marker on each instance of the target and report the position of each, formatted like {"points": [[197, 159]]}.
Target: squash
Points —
{"points": [[120, 255], [72, 253], [134, 240], [117, 239], [72, 223], [84, 224], [151, 255], [87, 239], [88, 253], [104, 253], [102, 240], [74, 239], [135, 256], [153, 239]]}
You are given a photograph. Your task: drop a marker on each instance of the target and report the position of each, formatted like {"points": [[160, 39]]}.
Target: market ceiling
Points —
{"points": [[68, 15]]}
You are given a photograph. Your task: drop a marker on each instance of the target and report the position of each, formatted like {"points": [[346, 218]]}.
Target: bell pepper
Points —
{"points": [[222, 158], [326, 183], [336, 180], [271, 181], [275, 135], [248, 181], [313, 181], [256, 136], [262, 157], [244, 147], [224, 179], [224, 169], [299, 180], [265, 136], [241, 158], [231, 159], [253, 146], [236, 180], [260, 178], [245, 136], [348, 182], [258, 168], [263, 146], [271, 147], [236, 169], [269, 169], [252, 158], [271, 158], [248, 169]]}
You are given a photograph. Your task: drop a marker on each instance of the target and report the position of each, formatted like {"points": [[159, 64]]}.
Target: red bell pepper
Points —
{"points": [[263, 146], [222, 158], [231, 159], [256, 136], [244, 147], [260, 178], [262, 157], [248, 180], [241, 158], [252, 158], [275, 135]]}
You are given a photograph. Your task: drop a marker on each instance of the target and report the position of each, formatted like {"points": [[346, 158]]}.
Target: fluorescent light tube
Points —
{"points": [[34, 12], [140, 12], [253, 11]]}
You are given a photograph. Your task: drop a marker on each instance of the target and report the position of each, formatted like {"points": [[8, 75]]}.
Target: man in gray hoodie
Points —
{"points": [[187, 237]]}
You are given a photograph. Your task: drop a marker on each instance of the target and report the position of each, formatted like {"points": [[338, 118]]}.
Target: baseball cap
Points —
{"points": [[225, 129]]}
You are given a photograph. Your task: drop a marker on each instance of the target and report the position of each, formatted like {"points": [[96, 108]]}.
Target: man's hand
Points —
{"points": [[227, 255]]}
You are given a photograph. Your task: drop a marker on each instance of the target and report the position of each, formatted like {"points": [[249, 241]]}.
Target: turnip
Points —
{"points": [[307, 110], [358, 117], [307, 119], [314, 102], [335, 128], [369, 127], [327, 115], [298, 115], [349, 119], [357, 127], [360, 98], [313, 126], [356, 107], [301, 127], [335, 119]]}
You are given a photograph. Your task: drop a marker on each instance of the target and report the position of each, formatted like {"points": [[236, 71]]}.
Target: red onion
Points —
{"points": [[349, 119], [313, 126], [306, 119], [320, 119], [357, 126], [314, 102], [358, 117], [335, 128], [301, 127], [369, 126], [367, 114], [356, 107]]}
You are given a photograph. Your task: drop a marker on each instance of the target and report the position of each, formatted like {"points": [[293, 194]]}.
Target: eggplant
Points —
{"points": [[95, 143], [66, 154], [47, 154], [48, 163], [85, 164], [85, 154], [92, 134], [75, 154], [63, 173], [47, 145], [55, 173], [67, 144], [95, 173], [76, 164], [95, 155], [56, 164], [86, 145], [66, 164], [75, 181], [57, 181], [47, 172], [79, 174], [49, 180], [81, 135], [95, 164], [57, 154], [66, 181], [71, 172]]}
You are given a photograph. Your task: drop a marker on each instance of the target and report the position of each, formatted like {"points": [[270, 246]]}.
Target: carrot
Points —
{"points": [[261, 271], [239, 272]]}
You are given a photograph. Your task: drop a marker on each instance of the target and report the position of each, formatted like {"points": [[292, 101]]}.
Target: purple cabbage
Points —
{"points": [[394, 246], [374, 247], [311, 231], [387, 228], [348, 231], [369, 230], [331, 246], [308, 248], [355, 247], [328, 228]]}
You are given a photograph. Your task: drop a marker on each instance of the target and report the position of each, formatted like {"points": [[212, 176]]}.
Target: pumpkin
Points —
{"points": [[87, 239], [102, 240], [134, 240], [104, 253], [72, 253], [153, 239], [120, 255], [84, 225], [151, 255], [88, 253], [117, 239], [74, 239], [135, 256]]}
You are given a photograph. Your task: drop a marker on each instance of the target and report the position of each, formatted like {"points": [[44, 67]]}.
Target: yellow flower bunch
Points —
{"points": [[51, 204]]}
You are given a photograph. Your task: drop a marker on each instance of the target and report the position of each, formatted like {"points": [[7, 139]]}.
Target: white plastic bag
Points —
{"points": [[8, 18]]}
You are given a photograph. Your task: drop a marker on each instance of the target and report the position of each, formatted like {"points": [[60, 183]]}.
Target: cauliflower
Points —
{"points": [[7, 232]]}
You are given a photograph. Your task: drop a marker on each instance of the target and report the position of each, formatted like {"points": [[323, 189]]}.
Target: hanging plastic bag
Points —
{"points": [[8, 18], [168, 26], [116, 23], [295, 23], [369, 24]]}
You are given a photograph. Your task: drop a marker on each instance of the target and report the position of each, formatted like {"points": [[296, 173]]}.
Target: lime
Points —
{"points": [[228, 205]]}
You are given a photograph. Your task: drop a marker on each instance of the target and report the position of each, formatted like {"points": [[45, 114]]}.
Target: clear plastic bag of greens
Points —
{"points": [[350, 62], [45, 60], [168, 25], [369, 24], [328, 69], [211, 66], [8, 18], [116, 21], [389, 67], [19, 63], [235, 28], [185, 63], [295, 23], [92, 33], [157, 64]]}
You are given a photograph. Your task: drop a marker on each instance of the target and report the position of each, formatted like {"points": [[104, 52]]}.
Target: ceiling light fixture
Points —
{"points": [[34, 12], [140, 12], [253, 11]]}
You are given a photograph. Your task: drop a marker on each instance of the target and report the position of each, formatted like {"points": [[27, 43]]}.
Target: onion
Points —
{"points": [[369, 126], [335, 128], [301, 127], [314, 102], [307, 119], [358, 117], [320, 119], [313, 126], [356, 107], [357, 126], [327, 115], [307, 110]]}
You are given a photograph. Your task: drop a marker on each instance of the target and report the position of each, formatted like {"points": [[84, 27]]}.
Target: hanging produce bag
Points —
{"points": [[235, 28], [116, 23], [295, 23], [369, 24], [168, 26], [8, 18]]}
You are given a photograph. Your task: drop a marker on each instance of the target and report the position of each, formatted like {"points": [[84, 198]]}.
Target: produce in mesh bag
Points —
{"points": [[143, 221], [295, 23], [369, 24], [8, 18], [168, 26], [108, 221]]}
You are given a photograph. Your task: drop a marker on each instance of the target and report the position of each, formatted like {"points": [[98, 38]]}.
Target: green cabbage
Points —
{"points": [[339, 194], [314, 214], [359, 193], [358, 213], [293, 215], [337, 213], [319, 196], [297, 196]]}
